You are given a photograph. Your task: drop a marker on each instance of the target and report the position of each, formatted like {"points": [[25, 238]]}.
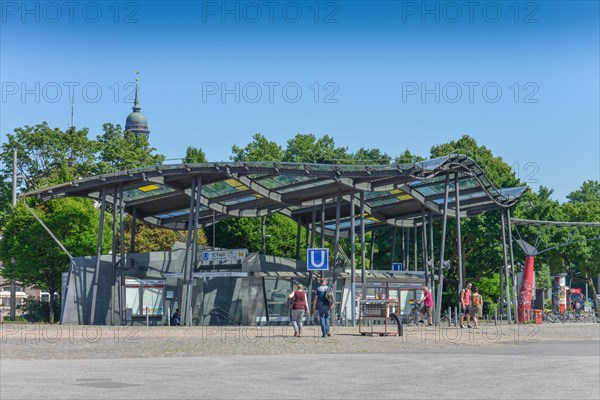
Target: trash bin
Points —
{"points": [[537, 316]]}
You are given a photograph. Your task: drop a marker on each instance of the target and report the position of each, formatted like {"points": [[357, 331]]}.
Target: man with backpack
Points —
{"points": [[323, 302]]}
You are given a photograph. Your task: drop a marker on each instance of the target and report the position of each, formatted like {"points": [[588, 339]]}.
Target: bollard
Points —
{"points": [[496, 316], [455, 316], [147, 317], [169, 316], [449, 316]]}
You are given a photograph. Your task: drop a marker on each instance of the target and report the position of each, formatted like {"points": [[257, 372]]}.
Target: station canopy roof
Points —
{"points": [[395, 194]]}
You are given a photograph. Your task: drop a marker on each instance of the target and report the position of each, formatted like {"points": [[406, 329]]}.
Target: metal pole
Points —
{"points": [[393, 252], [133, 229], [372, 250], [403, 250], [424, 247], [298, 234], [13, 286], [186, 263], [264, 233], [362, 246], [431, 257], [458, 233], [123, 258], [323, 224], [313, 231], [353, 261], [98, 255], [338, 212], [514, 270], [508, 316], [113, 308], [415, 244], [442, 245], [194, 246]]}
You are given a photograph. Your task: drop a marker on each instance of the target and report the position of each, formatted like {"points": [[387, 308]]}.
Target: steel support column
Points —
{"points": [[514, 269], [424, 246], [98, 255], [298, 234], [362, 246], [458, 233], [393, 252], [336, 251], [506, 277], [352, 261], [113, 308], [442, 248], [188, 256], [133, 230], [123, 259], [415, 244]]}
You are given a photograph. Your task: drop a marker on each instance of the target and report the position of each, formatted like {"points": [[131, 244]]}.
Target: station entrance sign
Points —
{"points": [[317, 259]]}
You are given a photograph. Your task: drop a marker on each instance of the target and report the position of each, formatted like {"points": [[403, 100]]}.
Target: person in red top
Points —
{"points": [[427, 302], [299, 307], [465, 306]]}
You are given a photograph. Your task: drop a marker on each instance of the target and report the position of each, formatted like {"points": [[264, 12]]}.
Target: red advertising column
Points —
{"points": [[526, 288]]}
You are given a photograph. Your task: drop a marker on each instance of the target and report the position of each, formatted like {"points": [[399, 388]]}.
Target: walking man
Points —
{"points": [[427, 302], [465, 306], [323, 305]]}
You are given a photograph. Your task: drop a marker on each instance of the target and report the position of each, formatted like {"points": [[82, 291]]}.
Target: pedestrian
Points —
{"points": [[465, 303], [427, 302], [476, 307], [323, 304], [299, 308], [176, 318]]}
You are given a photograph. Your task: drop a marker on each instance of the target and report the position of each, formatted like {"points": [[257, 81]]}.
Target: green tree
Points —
{"points": [[581, 257], [194, 155], [38, 260], [370, 156], [120, 150], [260, 149], [589, 191], [407, 157], [307, 148], [48, 156]]}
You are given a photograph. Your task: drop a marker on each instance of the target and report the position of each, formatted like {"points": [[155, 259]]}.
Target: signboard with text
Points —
{"points": [[224, 255]]}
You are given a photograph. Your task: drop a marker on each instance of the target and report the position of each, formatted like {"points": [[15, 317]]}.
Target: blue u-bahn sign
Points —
{"points": [[317, 259]]}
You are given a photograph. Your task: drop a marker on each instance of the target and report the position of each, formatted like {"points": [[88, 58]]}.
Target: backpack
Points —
{"points": [[328, 300], [476, 300], [290, 302]]}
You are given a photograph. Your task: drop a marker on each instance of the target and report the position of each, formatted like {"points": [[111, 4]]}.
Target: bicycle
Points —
{"points": [[415, 313]]}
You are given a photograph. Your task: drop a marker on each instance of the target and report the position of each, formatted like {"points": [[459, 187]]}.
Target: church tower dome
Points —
{"points": [[136, 121]]}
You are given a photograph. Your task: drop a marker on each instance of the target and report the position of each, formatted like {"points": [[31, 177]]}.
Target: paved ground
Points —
{"points": [[528, 362]]}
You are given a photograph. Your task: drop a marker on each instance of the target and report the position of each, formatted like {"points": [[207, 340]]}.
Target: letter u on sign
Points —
{"points": [[317, 259]]}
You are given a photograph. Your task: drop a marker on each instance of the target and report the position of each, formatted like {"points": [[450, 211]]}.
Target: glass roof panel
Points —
{"points": [[307, 185], [345, 224], [283, 180], [173, 214], [146, 191], [513, 193], [431, 164], [244, 199]]}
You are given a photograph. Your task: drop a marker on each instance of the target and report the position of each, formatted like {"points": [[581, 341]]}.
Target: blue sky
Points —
{"points": [[520, 77]]}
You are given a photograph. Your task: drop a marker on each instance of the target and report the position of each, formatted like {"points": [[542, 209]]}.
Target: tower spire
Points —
{"points": [[136, 121], [136, 103]]}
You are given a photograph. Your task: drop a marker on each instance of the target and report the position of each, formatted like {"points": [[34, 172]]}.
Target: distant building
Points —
{"points": [[136, 121], [21, 294]]}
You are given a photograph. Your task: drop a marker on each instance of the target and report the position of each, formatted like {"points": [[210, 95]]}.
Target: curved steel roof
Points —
{"points": [[395, 194]]}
